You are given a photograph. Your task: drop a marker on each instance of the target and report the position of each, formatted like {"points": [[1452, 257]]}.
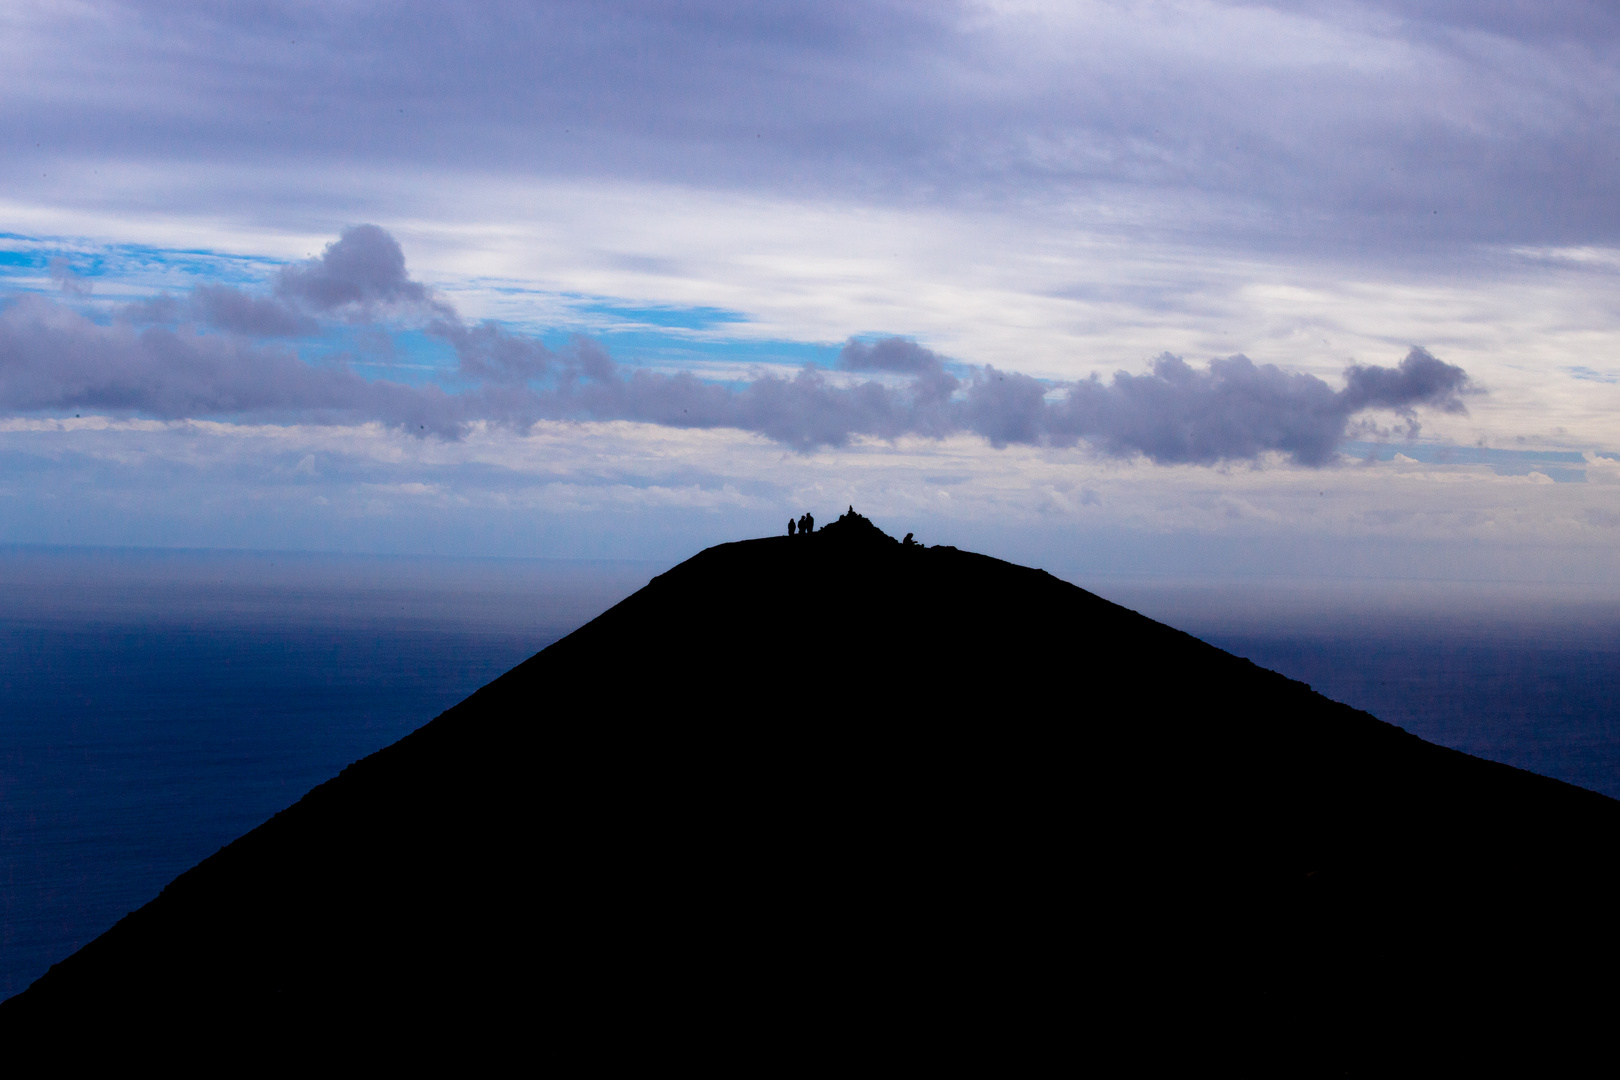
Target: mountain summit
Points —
{"points": [[833, 794], [852, 528]]}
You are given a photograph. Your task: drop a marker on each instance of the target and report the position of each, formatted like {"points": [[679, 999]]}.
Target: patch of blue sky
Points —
{"points": [[171, 268], [711, 342], [408, 356], [133, 268], [1562, 466], [721, 360], [697, 340], [693, 320], [521, 307]]}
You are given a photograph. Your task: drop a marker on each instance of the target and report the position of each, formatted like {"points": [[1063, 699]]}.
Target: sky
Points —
{"points": [[1317, 289]]}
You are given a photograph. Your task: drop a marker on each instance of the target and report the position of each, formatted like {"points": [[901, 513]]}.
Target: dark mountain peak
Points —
{"points": [[853, 528], [843, 777]]}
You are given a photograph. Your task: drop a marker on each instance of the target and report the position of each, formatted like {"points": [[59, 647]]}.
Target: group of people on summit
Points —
{"points": [[805, 525]]}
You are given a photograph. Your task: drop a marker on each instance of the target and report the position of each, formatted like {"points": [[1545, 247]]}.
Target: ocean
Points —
{"points": [[155, 705], [1523, 673]]}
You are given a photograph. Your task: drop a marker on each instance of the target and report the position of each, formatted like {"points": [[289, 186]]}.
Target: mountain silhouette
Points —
{"points": [[831, 799]]}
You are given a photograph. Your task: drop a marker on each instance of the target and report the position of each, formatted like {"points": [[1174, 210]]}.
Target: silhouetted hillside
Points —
{"points": [[803, 795]]}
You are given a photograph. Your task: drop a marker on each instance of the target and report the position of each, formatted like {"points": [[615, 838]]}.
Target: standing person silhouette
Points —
{"points": [[790, 526], [809, 523]]}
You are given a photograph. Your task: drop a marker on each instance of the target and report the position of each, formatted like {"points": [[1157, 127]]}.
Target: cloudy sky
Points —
{"points": [[1178, 287]]}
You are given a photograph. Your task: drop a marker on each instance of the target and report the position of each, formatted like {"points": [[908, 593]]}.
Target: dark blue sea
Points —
{"points": [[1527, 674], [155, 705]]}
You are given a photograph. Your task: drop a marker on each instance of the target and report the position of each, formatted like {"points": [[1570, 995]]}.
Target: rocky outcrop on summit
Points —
{"points": [[852, 528]]}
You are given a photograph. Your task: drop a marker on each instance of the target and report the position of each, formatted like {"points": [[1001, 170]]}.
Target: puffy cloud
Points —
{"points": [[223, 307], [360, 276], [1232, 410], [163, 308], [888, 354], [1006, 407], [1421, 379], [361, 270], [805, 410], [488, 353], [241, 312], [54, 359]]}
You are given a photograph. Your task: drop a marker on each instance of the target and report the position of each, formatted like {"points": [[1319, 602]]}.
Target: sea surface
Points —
{"points": [[155, 705], [1522, 673]]}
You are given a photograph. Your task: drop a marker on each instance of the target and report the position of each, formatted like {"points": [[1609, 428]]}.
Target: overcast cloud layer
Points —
{"points": [[1393, 123]]}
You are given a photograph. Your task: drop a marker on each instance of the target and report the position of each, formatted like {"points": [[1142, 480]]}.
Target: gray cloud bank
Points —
{"points": [[156, 360], [55, 360], [1393, 124], [1232, 410]]}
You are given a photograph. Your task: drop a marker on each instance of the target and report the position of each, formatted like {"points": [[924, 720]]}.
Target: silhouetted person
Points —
{"points": [[791, 524], [908, 541], [809, 525]]}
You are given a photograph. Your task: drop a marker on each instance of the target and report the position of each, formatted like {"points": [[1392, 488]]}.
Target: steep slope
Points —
{"points": [[822, 789]]}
